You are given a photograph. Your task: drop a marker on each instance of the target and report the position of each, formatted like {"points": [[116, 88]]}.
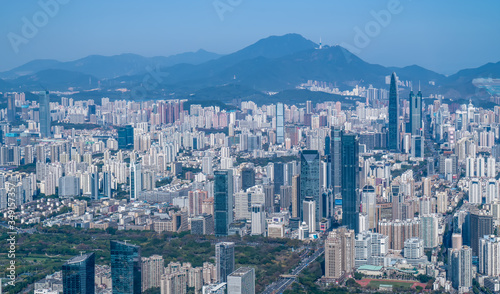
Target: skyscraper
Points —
{"points": [[152, 269], [247, 178], [106, 184], [79, 274], [309, 214], [350, 182], [224, 260], [415, 125], [125, 268], [339, 252], [135, 180], [415, 113], [296, 196], [489, 256], [481, 225], [280, 123], [460, 267], [94, 186], [11, 109], [336, 158], [279, 177], [223, 201], [125, 137], [258, 219], [394, 132], [309, 180], [241, 281], [45, 119]]}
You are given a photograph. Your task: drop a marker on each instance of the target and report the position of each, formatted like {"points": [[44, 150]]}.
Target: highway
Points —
{"points": [[283, 283]]}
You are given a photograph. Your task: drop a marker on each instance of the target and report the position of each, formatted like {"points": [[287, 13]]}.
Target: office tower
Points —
{"points": [[296, 196], [368, 205], [339, 252], [429, 230], [489, 256], [223, 201], [460, 268], [44, 112], [309, 214], [106, 184], [336, 158], [241, 281], [393, 137], [11, 109], [247, 178], [79, 274], [135, 180], [258, 219], [481, 225], [350, 182], [456, 241], [151, 270], [125, 268], [280, 123], [125, 137], [309, 180], [224, 260], [69, 186], [94, 186], [415, 113], [417, 146], [279, 176]]}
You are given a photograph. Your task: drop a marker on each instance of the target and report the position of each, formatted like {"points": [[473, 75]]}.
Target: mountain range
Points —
{"points": [[276, 63]]}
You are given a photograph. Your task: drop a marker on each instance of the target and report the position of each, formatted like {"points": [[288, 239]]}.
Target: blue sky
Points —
{"points": [[444, 36]]}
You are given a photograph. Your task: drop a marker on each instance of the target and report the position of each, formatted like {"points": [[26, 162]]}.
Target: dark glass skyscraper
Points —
{"points": [[79, 275], [247, 178], [223, 201], [279, 177], [415, 113], [480, 225], [44, 112], [280, 123], [125, 137], [336, 160], [309, 181], [125, 268], [350, 182], [415, 126], [224, 260], [393, 137]]}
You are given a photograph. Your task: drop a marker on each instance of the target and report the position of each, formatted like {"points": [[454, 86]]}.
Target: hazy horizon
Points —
{"points": [[444, 37]]}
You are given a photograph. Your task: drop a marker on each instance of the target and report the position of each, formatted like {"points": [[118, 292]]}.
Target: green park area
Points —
{"points": [[45, 251]]}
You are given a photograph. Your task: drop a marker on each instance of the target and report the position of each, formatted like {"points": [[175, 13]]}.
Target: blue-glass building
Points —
{"points": [[125, 268], [309, 181], [350, 182], [126, 137], [44, 112], [223, 201], [78, 275], [393, 137]]}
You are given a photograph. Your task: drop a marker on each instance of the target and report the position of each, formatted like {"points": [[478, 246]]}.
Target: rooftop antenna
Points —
{"points": [[419, 86]]}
